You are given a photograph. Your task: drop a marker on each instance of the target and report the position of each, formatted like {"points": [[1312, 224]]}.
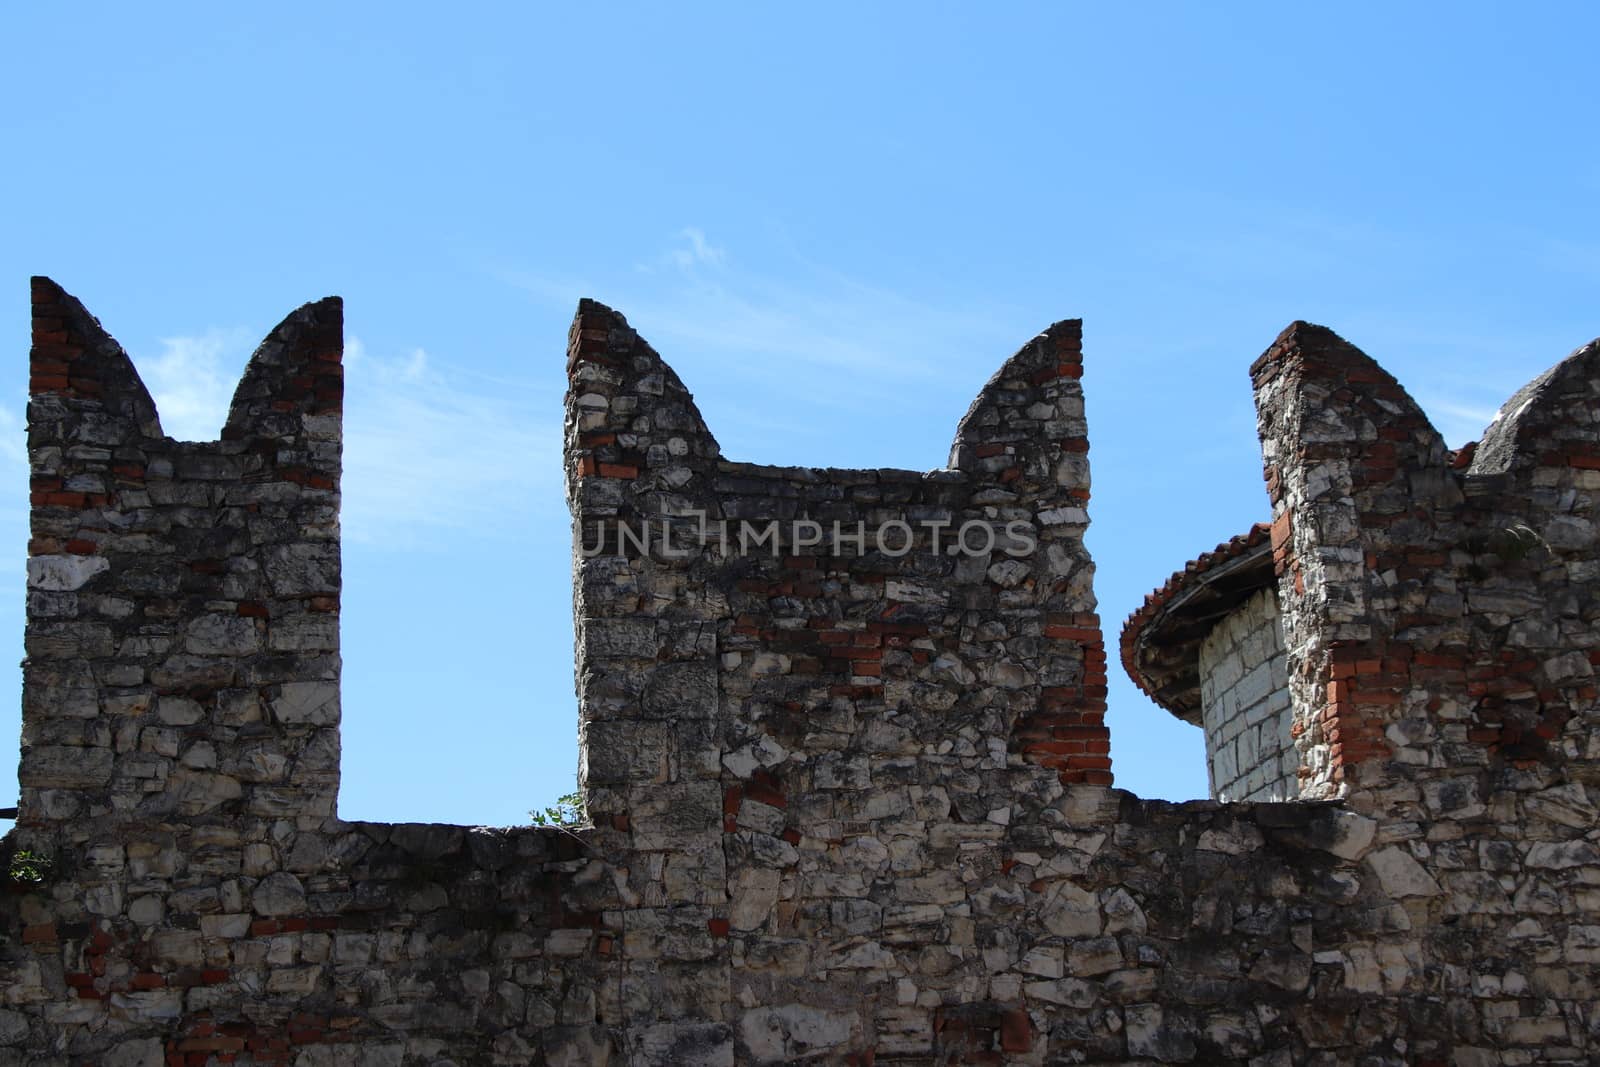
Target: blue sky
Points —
{"points": [[835, 221]]}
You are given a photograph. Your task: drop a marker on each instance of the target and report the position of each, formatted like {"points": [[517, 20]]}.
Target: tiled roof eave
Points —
{"points": [[1160, 641]]}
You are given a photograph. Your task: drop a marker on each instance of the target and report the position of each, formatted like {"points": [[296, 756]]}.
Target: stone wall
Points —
{"points": [[851, 793], [180, 761], [1244, 692]]}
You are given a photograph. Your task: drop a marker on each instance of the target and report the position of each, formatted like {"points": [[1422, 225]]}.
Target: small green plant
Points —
{"points": [[1516, 542], [28, 868], [1511, 544], [564, 814]]}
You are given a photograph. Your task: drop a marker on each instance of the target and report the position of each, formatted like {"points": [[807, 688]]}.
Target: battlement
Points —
{"points": [[183, 635], [843, 745]]}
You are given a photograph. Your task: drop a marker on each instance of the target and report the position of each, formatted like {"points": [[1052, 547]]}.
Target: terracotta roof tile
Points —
{"points": [[1157, 601]]}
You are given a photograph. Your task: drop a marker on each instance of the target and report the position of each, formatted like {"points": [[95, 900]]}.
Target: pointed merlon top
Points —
{"points": [[597, 318], [73, 358], [590, 336], [295, 372], [1306, 333], [1055, 352], [1344, 384], [1301, 338], [1542, 421], [587, 307], [602, 347]]}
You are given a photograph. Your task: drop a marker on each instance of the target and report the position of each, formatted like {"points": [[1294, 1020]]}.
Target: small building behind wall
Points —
{"points": [[1208, 647]]}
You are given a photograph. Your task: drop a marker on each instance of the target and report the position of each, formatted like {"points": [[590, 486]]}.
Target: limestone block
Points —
{"points": [[279, 894], [310, 703], [64, 572], [1400, 874], [788, 1032]]}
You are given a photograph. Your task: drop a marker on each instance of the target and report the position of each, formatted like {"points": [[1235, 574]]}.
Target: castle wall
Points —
{"points": [[825, 733], [180, 759], [851, 804], [1244, 694]]}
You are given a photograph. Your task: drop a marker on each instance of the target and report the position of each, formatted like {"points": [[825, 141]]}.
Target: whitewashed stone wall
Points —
{"points": [[1244, 695]]}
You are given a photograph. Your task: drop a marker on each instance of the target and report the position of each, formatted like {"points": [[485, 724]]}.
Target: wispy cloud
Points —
{"points": [[13, 491], [799, 330], [775, 352], [430, 447], [1459, 376], [192, 380], [697, 250], [13, 443], [1457, 422], [427, 447]]}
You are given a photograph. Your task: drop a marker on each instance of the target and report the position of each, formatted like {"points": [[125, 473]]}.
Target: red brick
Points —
{"points": [[56, 350], [1059, 748], [766, 794], [1016, 1031], [1074, 633], [38, 932], [211, 1044]]}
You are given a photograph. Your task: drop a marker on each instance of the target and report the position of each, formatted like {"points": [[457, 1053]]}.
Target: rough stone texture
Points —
{"points": [[849, 807], [1250, 752]]}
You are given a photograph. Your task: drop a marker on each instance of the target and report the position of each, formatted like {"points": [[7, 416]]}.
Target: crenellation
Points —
{"points": [[843, 745]]}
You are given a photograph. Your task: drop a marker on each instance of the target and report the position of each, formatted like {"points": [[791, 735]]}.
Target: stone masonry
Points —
{"points": [[1250, 750], [843, 746]]}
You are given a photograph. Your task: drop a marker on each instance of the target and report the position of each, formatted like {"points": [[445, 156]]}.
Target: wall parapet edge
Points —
{"points": [[850, 804]]}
